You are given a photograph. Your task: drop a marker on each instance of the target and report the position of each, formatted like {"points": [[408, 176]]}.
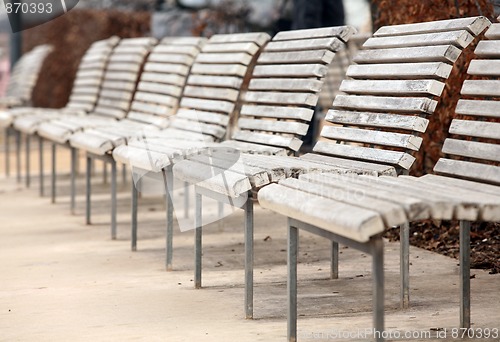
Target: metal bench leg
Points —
{"points": [[465, 274], [113, 199], [88, 189], [134, 218], [18, 156], [404, 239], [124, 174], [41, 166], [249, 234], [168, 180], [377, 251], [293, 237], [186, 200], [104, 173], [197, 241], [7, 152], [27, 166], [53, 175], [334, 264], [73, 179]]}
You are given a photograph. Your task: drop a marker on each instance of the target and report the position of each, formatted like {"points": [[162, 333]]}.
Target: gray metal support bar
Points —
{"points": [[334, 263], [27, 166], [18, 156], [404, 264], [134, 218], [113, 199], [186, 200], [465, 274], [168, 180], [41, 166], [377, 247], [74, 159], [198, 241], [53, 175], [249, 234], [88, 189], [293, 243]]}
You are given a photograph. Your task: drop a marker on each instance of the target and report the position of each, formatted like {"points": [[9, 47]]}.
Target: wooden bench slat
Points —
{"points": [[121, 76], [200, 127], [350, 164], [291, 143], [258, 38], [459, 38], [432, 70], [272, 97], [111, 95], [299, 57], [219, 69], [438, 53], [218, 58], [392, 87], [487, 67], [406, 122], [124, 86], [116, 113], [481, 87], [478, 129], [151, 119], [273, 126], [173, 58], [215, 81], [465, 169], [493, 31], [365, 136], [122, 105], [212, 93], [167, 68], [123, 67], [293, 70], [248, 47], [333, 44], [475, 25], [160, 88], [203, 116], [162, 78], [151, 108], [277, 112], [488, 49], [124, 58], [342, 32], [206, 104], [157, 99], [397, 158], [485, 108], [472, 149], [195, 41], [460, 183], [284, 84], [167, 49], [386, 104]]}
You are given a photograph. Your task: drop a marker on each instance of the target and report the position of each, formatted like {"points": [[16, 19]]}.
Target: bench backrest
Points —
{"points": [[120, 79], [213, 87], [163, 79], [285, 86], [26, 71], [397, 81], [473, 150], [90, 74]]}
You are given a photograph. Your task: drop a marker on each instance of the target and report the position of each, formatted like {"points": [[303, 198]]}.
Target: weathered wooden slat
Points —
{"points": [[151, 119], [392, 87], [401, 159], [472, 149], [386, 104], [273, 126], [382, 120], [258, 38], [219, 69], [124, 58], [284, 84], [430, 70], [218, 58], [299, 57], [167, 49], [124, 86], [481, 87], [342, 32], [486, 67], [162, 78], [382, 138], [111, 94], [350, 164], [333, 44], [460, 183], [174, 58], [156, 98], [459, 38], [159, 88], [151, 108], [123, 67], [438, 53], [293, 70], [167, 68], [479, 129], [474, 25], [122, 105], [282, 98], [493, 31], [248, 47], [488, 49], [117, 113], [199, 127], [206, 104], [277, 112], [291, 143], [121, 76], [203, 116], [215, 81], [469, 170], [212, 93], [486, 108]]}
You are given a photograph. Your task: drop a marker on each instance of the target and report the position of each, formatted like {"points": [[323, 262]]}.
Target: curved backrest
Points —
{"points": [[214, 83], [164, 76], [26, 71], [120, 78], [90, 74], [285, 86], [397, 81], [473, 150]]}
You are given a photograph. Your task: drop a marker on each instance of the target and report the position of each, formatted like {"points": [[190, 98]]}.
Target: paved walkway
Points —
{"points": [[64, 281]]}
